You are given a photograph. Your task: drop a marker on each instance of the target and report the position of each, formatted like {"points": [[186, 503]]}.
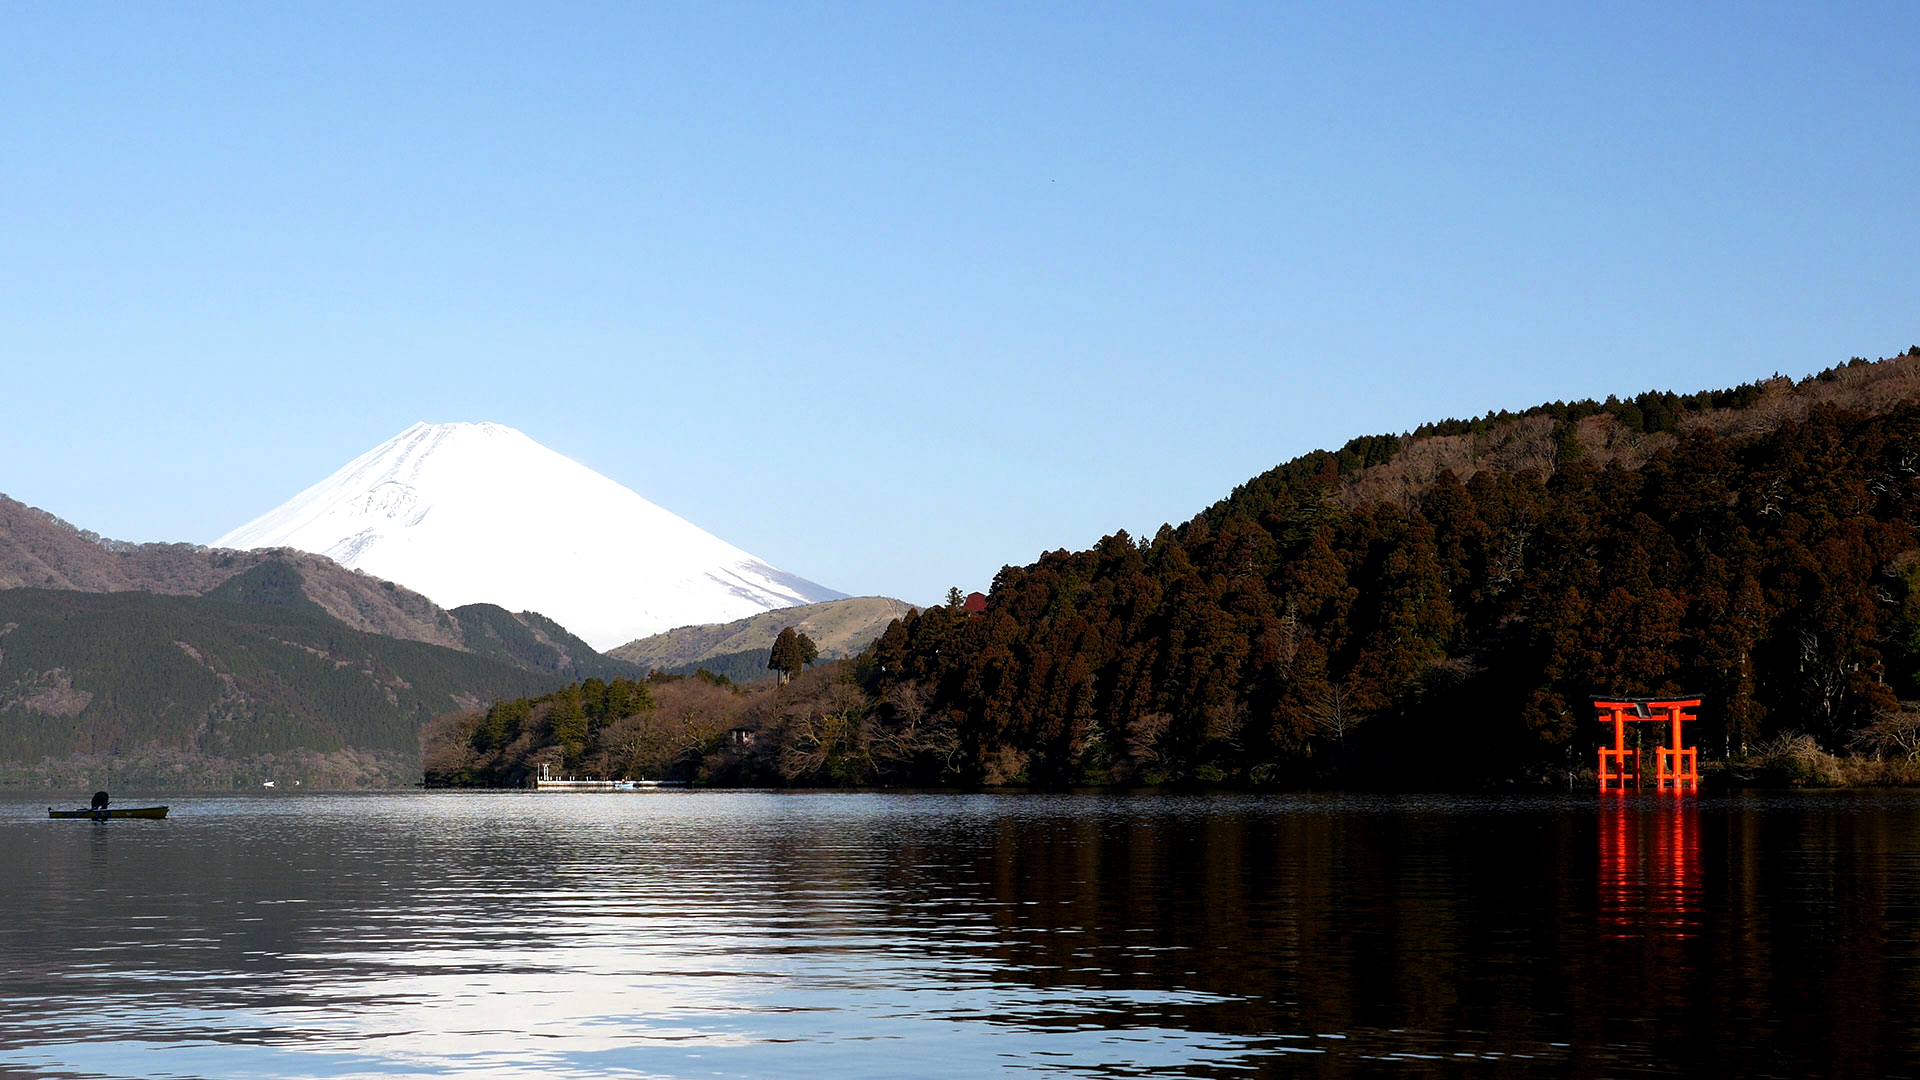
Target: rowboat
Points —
{"points": [[102, 815]]}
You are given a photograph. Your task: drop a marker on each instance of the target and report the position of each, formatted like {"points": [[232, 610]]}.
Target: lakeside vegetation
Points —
{"points": [[1357, 619]]}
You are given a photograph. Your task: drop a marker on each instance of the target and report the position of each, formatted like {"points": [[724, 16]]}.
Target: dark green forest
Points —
{"points": [[250, 673], [1284, 636], [740, 667], [535, 642]]}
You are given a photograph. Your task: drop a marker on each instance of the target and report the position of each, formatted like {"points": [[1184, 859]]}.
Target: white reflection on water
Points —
{"points": [[574, 1023], [448, 935]]}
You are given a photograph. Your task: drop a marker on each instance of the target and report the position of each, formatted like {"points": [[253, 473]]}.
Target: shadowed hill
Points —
{"points": [[530, 640], [219, 689]]}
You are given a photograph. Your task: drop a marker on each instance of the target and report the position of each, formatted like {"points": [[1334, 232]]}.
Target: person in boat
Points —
{"points": [[100, 801]]}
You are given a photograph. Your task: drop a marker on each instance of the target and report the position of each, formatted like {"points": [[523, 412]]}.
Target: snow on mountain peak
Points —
{"points": [[468, 513]]}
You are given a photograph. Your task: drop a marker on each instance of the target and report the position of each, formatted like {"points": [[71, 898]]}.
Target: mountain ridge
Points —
{"points": [[1400, 469], [38, 549], [253, 680]]}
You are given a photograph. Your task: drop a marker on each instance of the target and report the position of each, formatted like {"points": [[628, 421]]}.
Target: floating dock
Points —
{"points": [[546, 781]]}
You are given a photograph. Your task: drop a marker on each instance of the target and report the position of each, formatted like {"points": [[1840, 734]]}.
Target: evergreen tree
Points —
{"points": [[792, 652]]}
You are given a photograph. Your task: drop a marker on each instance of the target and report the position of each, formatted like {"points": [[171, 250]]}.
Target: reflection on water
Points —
{"points": [[872, 935], [1649, 864]]}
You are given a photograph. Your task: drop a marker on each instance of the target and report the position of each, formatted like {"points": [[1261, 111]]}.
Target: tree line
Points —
{"points": [[666, 726]]}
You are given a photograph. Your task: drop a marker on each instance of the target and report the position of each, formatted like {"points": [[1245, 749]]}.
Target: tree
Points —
{"points": [[792, 651]]}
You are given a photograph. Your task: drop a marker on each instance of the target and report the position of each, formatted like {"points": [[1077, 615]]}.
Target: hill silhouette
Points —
{"points": [[1433, 609]]}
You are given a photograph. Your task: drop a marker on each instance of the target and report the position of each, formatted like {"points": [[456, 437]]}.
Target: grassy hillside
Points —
{"points": [[839, 628], [241, 679]]}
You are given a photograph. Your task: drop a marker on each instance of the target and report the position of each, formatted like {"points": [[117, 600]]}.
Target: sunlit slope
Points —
{"points": [[837, 627]]}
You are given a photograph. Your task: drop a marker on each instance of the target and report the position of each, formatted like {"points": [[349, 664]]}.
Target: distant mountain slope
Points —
{"points": [[222, 687], [40, 550], [744, 668], [838, 628], [530, 640], [480, 513]]}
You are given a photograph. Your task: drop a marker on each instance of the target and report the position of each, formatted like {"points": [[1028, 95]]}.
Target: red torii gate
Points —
{"points": [[1676, 763]]}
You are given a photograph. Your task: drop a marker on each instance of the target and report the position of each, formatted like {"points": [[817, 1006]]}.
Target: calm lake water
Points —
{"points": [[714, 934]]}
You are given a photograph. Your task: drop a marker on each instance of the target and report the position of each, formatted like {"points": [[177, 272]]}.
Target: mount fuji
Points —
{"points": [[468, 513]]}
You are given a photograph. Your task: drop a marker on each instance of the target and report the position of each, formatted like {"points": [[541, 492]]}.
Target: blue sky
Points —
{"points": [[894, 294]]}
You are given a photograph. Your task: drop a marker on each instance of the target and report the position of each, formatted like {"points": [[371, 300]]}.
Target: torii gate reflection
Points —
{"points": [[1649, 881], [1649, 849]]}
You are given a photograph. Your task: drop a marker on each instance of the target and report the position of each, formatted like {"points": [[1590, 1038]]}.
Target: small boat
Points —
{"points": [[102, 815]]}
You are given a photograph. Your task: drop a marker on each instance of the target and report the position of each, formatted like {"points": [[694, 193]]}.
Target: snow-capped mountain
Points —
{"points": [[469, 513]]}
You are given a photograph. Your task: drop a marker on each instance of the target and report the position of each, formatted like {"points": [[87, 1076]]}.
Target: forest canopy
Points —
{"points": [[1286, 636]]}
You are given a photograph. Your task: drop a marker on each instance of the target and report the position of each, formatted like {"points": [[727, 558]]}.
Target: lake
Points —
{"points": [[754, 934]]}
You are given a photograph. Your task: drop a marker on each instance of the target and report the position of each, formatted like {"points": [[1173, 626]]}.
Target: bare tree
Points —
{"points": [[1893, 732], [1333, 713]]}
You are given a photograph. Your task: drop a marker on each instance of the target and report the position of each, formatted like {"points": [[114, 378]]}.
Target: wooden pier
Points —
{"points": [[546, 781]]}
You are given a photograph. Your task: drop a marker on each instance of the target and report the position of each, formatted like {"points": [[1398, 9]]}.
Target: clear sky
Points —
{"points": [[894, 294]]}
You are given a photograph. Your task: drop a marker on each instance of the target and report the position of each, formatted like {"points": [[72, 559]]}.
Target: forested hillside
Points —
{"points": [[530, 640], [1300, 631], [667, 727], [1430, 610], [250, 682]]}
